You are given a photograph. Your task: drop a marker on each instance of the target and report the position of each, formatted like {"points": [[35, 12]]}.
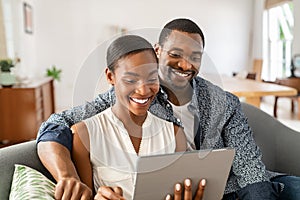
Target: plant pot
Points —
{"points": [[7, 79]]}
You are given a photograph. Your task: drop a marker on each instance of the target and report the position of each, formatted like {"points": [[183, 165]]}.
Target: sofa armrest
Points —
{"points": [[23, 153], [279, 144]]}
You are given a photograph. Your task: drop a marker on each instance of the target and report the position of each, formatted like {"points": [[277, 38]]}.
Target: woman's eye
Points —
{"points": [[175, 55], [129, 81]]}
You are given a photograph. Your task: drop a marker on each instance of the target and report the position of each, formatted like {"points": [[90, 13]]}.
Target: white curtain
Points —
{"points": [[3, 51], [274, 3]]}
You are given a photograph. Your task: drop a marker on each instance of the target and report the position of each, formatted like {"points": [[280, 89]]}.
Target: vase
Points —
{"points": [[7, 79]]}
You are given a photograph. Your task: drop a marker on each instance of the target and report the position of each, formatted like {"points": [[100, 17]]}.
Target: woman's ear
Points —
{"points": [[157, 49], [110, 76]]}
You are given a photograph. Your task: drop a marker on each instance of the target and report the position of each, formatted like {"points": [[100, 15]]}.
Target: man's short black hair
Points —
{"points": [[180, 24]]}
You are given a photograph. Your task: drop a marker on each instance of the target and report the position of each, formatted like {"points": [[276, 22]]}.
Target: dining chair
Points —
{"points": [[254, 73], [293, 82], [257, 68]]}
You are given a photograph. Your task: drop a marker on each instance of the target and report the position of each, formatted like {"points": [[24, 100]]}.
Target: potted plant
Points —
{"points": [[7, 79], [54, 73]]}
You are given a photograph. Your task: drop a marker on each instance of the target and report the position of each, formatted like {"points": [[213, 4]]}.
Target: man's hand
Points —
{"points": [[187, 190], [104, 192], [57, 159], [72, 188]]}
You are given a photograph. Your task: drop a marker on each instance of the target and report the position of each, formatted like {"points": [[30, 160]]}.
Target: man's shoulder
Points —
{"points": [[204, 86], [109, 95]]}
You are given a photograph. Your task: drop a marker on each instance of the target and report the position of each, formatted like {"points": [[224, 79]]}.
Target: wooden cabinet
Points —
{"points": [[23, 108]]}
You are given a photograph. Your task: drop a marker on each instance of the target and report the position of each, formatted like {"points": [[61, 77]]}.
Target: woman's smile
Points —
{"points": [[140, 100]]}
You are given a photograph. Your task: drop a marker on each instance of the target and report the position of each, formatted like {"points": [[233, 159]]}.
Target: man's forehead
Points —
{"points": [[178, 39]]}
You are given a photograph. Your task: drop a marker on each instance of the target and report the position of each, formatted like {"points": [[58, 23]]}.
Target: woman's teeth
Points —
{"points": [[141, 101]]}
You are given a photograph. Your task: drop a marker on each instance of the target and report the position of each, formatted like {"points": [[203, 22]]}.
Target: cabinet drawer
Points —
{"points": [[39, 104], [25, 109], [38, 93], [39, 115]]}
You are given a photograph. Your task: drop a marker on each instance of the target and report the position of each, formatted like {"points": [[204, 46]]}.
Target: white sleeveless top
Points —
{"points": [[112, 154]]}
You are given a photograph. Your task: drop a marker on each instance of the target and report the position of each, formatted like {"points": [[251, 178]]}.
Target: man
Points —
{"points": [[211, 117]]}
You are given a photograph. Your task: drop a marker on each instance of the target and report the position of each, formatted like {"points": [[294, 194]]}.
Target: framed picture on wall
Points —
{"points": [[28, 18]]}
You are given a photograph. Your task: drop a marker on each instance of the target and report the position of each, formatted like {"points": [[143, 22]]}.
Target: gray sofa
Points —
{"points": [[24, 153], [279, 144]]}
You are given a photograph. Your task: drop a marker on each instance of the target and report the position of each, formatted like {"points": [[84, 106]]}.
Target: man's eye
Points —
{"points": [[153, 80], [196, 59]]}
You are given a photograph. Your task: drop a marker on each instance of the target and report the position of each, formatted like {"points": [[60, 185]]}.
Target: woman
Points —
{"points": [[106, 146]]}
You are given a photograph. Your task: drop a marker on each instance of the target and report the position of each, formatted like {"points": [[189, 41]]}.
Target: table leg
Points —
{"points": [[298, 104], [255, 101]]}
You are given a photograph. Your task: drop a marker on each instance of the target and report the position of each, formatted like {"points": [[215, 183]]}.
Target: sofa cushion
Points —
{"points": [[24, 154], [30, 184]]}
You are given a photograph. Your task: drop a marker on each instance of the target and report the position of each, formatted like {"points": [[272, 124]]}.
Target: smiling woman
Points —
{"points": [[109, 143]]}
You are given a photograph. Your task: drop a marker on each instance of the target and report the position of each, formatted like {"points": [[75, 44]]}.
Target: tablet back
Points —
{"points": [[156, 175]]}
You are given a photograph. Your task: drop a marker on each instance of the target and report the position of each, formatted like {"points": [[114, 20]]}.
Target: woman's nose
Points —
{"points": [[143, 89]]}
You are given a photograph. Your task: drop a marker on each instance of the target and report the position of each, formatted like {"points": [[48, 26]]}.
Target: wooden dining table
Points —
{"points": [[250, 90]]}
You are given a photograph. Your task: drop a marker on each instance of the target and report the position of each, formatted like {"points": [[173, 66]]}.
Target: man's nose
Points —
{"points": [[185, 64]]}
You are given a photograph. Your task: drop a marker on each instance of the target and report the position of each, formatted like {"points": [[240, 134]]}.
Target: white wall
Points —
{"points": [[296, 42], [256, 49], [67, 31]]}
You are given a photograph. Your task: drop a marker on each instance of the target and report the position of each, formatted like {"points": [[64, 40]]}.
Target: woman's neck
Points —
{"points": [[133, 125]]}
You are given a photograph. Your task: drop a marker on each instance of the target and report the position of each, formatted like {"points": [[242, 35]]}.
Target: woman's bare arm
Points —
{"points": [[180, 139]]}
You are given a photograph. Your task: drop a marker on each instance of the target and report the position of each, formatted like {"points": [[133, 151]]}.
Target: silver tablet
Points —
{"points": [[156, 175]]}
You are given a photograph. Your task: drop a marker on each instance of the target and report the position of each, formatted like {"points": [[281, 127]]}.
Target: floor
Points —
{"points": [[284, 113]]}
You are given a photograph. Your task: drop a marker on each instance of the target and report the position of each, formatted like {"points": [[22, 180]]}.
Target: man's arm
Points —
{"points": [[57, 127], [247, 165], [56, 158], [54, 143]]}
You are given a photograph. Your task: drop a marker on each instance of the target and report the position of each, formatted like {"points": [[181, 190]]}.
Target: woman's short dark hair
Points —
{"points": [[124, 46], [180, 24]]}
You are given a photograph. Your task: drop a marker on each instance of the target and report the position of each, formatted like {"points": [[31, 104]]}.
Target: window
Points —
{"points": [[8, 27], [278, 23]]}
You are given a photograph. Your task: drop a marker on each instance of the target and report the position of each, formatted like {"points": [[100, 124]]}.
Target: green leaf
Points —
{"points": [[54, 73], [5, 65]]}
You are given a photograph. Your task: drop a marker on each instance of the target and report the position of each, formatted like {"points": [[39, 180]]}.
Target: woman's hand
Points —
{"points": [[187, 191], [105, 192]]}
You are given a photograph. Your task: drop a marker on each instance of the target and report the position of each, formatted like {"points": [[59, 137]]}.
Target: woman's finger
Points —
{"points": [[118, 190], [200, 190], [188, 189], [107, 193], [177, 191]]}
